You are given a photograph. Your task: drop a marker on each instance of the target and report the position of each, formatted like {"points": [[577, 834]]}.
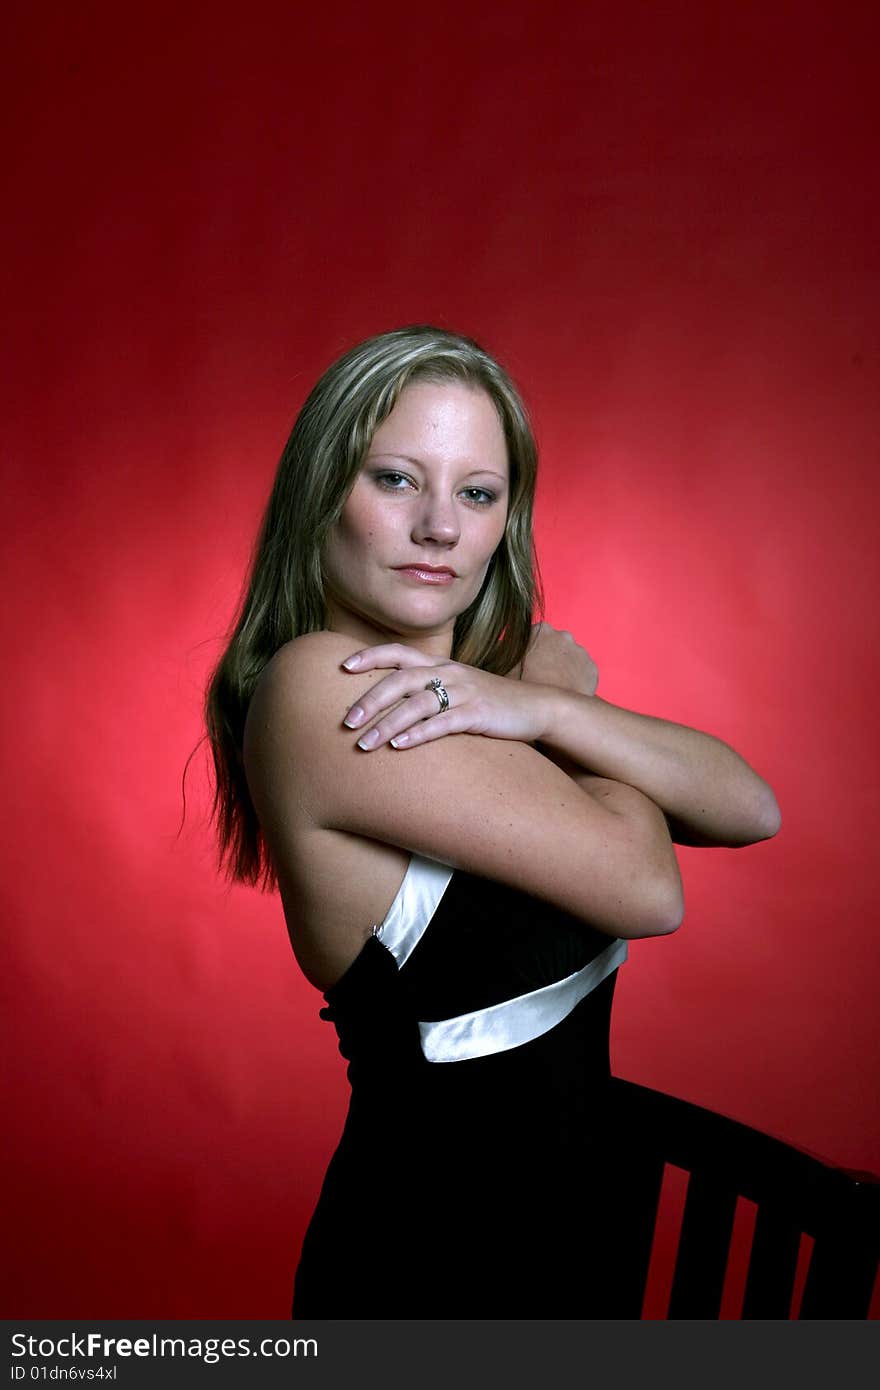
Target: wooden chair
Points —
{"points": [[795, 1192]]}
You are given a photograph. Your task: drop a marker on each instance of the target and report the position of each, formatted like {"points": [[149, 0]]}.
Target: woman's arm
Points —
{"points": [[707, 792], [490, 805]]}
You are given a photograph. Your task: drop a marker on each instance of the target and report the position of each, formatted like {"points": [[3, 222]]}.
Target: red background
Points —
{"points": [[663, 219]]}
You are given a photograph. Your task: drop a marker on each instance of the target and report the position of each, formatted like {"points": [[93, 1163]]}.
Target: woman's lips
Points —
{"points": [[426, 576]]}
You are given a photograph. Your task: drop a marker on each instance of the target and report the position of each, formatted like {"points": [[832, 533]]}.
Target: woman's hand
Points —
{"points": [[479, 703], [554, 658]]}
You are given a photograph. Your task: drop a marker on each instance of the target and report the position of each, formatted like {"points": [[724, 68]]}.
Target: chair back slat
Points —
{"points": [[636, 1219], [706, 1228], [772, 1265]]}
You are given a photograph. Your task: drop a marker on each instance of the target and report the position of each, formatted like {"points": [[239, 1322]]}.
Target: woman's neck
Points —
{"points": [[364, 633]]}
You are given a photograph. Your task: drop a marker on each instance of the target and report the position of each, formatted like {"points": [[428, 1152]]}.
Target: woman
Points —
{"points": [[464, 837]]}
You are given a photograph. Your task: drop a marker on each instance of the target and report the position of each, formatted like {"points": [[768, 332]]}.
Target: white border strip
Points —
{"points": [[415, 903], [516, 1021]]}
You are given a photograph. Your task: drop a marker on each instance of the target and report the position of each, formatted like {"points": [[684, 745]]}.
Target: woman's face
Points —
{"points": [[432, 496]]}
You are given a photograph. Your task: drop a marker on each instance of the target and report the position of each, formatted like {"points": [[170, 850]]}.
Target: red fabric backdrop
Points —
{"points": [[664, 220]]}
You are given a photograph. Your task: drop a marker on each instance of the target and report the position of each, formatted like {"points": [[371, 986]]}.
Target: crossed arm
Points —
{"points": [[707, 792]]}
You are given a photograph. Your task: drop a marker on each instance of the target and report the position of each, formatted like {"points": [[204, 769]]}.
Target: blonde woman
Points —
{"points": [[464, 837]]}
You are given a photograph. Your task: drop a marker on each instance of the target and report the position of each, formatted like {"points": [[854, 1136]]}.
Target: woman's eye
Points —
{"points": [[390, 480], [483, 497]]}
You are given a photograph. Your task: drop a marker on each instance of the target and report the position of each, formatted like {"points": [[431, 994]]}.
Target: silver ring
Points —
{"points": [[441, 692]]}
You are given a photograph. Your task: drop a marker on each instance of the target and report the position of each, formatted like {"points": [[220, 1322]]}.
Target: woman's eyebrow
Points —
{"points": [[408, 458]]}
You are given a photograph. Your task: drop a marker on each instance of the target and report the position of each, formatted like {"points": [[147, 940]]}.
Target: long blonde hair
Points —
{"points": [[284, 595]]}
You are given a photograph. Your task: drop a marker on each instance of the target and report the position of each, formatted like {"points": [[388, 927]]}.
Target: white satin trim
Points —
{"points": [[516, 1021], [498, 1027], [415, 903]]}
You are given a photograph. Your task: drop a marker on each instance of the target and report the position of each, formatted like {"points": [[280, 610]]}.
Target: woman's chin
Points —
{"points": [[377, 625]]}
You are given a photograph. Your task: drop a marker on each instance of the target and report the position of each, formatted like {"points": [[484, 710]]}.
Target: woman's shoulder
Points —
{"points": [[293, 723], [333, 885], [297, 668], [310, 651], [321, 641]]}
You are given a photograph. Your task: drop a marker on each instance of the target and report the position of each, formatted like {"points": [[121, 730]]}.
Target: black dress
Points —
{"points": [[474, 1177]]}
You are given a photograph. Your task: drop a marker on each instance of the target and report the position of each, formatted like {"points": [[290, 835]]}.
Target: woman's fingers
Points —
{"points": [[416, 721], [479, 703], [388, 654], [388, 691], [429, 729]]}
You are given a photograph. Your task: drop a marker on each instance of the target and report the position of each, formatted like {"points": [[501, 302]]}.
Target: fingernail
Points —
{"points": [[399, 741], [352, 661], [354, 717], [369, 740]]}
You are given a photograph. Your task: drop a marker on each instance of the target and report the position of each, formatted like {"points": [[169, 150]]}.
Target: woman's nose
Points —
{"points": [[436, 521]]}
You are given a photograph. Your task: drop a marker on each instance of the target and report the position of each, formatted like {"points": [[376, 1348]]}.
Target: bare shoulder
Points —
{"points": [[306, 657], [334, 885], [287, 722], [294, 680], [295, 704]]}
